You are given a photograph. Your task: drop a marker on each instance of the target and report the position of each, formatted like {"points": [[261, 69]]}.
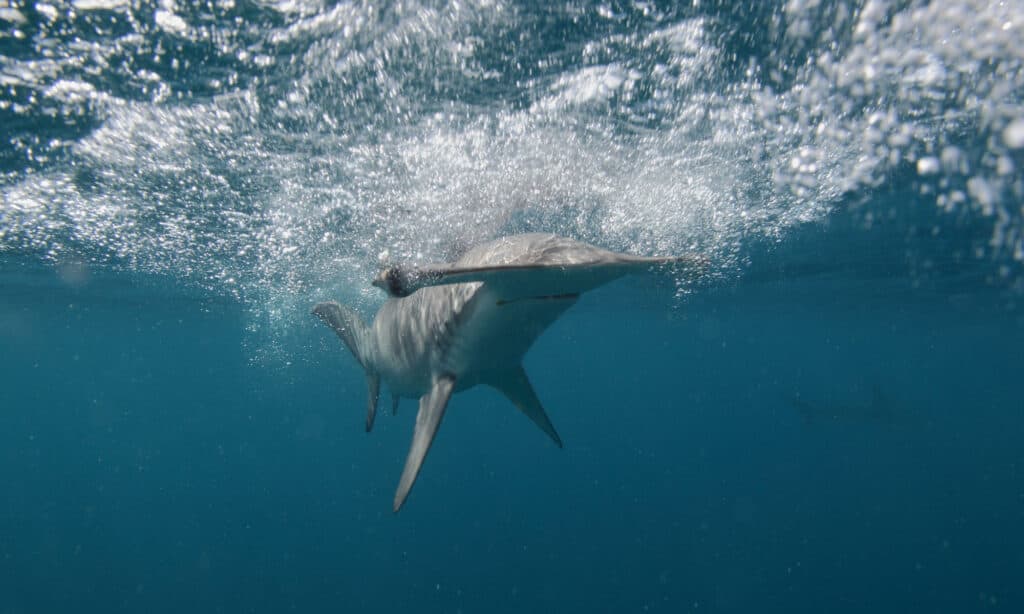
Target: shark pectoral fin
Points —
{"points": [[515, 385], [394, 404], [432, 406], [373, 388]]}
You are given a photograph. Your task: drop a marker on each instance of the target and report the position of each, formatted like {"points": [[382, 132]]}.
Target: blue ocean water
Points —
{"points": [[831, 419]]}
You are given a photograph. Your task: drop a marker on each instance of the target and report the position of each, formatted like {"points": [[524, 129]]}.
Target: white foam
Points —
{"points": [[1013, 134], [594, 84], [910, 85], [11, 15], [685, 37], [170, 21], [97, 5], [47, 10], [71, 91], [392, 134], [928, 165]]}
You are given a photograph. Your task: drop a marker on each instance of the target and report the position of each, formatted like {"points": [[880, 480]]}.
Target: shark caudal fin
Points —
{"points": [[355, 334]]}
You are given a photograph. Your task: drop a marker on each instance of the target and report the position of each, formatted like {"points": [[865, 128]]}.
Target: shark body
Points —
{"points": [[449, 327]]}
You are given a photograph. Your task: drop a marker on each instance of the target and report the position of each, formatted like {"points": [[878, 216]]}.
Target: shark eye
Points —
{"points": [[393, 282]]}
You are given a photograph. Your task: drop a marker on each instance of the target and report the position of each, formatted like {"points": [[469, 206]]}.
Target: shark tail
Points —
{"points": [[355, 334]]}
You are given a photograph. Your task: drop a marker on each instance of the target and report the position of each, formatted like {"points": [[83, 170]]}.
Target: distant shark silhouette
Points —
{"points": [[879, 409], [449, 327]]}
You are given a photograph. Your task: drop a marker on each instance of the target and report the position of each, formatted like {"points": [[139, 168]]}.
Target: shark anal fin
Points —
{"points": [[432, 406], [515, 385], [394, 404], [373, 390]]}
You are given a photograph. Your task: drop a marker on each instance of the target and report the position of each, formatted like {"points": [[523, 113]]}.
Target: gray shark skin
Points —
{"points": [[449, 327]]}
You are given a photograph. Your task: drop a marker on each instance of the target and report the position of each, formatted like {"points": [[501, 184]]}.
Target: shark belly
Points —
{"points": [[466, 331], [414, 335], [403, 356], [496, 335]]}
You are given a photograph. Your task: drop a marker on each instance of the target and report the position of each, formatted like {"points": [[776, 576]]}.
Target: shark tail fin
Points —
{"points": [[355, 334]]}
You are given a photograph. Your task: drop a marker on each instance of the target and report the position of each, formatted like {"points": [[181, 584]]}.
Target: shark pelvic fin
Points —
{"points": [[515, 385], [432, 406], [373, 390], [394, 404]]}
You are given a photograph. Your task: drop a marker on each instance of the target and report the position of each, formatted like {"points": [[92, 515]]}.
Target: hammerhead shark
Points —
{"points": [[449, 327]]}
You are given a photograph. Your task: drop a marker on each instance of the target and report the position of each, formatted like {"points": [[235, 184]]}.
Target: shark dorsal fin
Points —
{"points": [[432, 406], [515, 385]]}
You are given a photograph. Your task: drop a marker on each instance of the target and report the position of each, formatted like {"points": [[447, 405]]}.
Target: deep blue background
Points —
{"points": [[834, 422], [149, 464]]}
